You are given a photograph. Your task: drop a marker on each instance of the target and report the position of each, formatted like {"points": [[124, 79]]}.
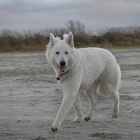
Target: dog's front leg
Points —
{"points": [[68, 100]]}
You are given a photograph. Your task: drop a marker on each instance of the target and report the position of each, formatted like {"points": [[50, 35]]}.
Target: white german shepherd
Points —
{"points": [[93, 70]]}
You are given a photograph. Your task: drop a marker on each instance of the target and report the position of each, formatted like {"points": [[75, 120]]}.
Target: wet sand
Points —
{"points": [[30, 97]]}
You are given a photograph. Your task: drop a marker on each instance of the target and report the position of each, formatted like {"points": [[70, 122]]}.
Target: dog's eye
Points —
{"points": [[57, 52], [66, 52]]}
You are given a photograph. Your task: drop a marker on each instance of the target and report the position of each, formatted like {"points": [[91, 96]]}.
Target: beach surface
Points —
{"points": [[30, 97]]}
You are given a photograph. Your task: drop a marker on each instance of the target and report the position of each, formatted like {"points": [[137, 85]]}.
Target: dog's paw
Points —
{"points": [[87, 119], [115, 115], [54, 129]]}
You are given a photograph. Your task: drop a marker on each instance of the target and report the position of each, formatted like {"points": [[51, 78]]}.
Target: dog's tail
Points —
{"points": [[102, 90]]}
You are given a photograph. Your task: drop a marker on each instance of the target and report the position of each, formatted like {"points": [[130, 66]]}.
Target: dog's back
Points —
{"points": [[98, 64]]}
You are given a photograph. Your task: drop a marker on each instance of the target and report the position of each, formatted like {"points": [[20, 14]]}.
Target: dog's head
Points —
{"points": [[60, 53]]}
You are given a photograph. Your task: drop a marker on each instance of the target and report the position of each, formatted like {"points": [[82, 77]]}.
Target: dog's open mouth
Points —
{"points": [[62, 69]]}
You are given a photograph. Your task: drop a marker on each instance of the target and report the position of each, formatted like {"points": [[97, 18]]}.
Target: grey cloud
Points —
{"points": [[36, 14]]}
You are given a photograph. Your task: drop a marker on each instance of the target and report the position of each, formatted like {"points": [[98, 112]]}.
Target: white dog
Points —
{"points": [[90, 69]]}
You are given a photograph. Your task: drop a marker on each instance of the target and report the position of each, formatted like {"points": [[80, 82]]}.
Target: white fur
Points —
{"points": [[90, 69]]}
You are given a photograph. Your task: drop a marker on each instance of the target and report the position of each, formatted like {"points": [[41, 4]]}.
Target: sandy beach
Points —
{"points": [[30, 98]]}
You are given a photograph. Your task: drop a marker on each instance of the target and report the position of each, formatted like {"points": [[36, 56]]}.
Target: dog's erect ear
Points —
{"points": [[52, 40], [69, 39]]}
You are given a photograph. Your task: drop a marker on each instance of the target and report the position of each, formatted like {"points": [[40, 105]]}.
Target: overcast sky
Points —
{"points": [[95, 14]]}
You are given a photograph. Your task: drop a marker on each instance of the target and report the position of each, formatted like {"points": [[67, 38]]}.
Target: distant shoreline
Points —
{"points": [[38, 49]]}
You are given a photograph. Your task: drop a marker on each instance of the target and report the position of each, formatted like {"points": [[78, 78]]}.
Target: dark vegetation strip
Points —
{"points": [[11, 41]]}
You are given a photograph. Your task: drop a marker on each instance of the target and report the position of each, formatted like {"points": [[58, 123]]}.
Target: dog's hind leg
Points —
{"points": [[113, 91], [116, 105], [92, 98], [77, 109]]}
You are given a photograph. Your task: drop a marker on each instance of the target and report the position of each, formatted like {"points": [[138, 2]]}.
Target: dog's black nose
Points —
{"points": [[62, 63]]}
